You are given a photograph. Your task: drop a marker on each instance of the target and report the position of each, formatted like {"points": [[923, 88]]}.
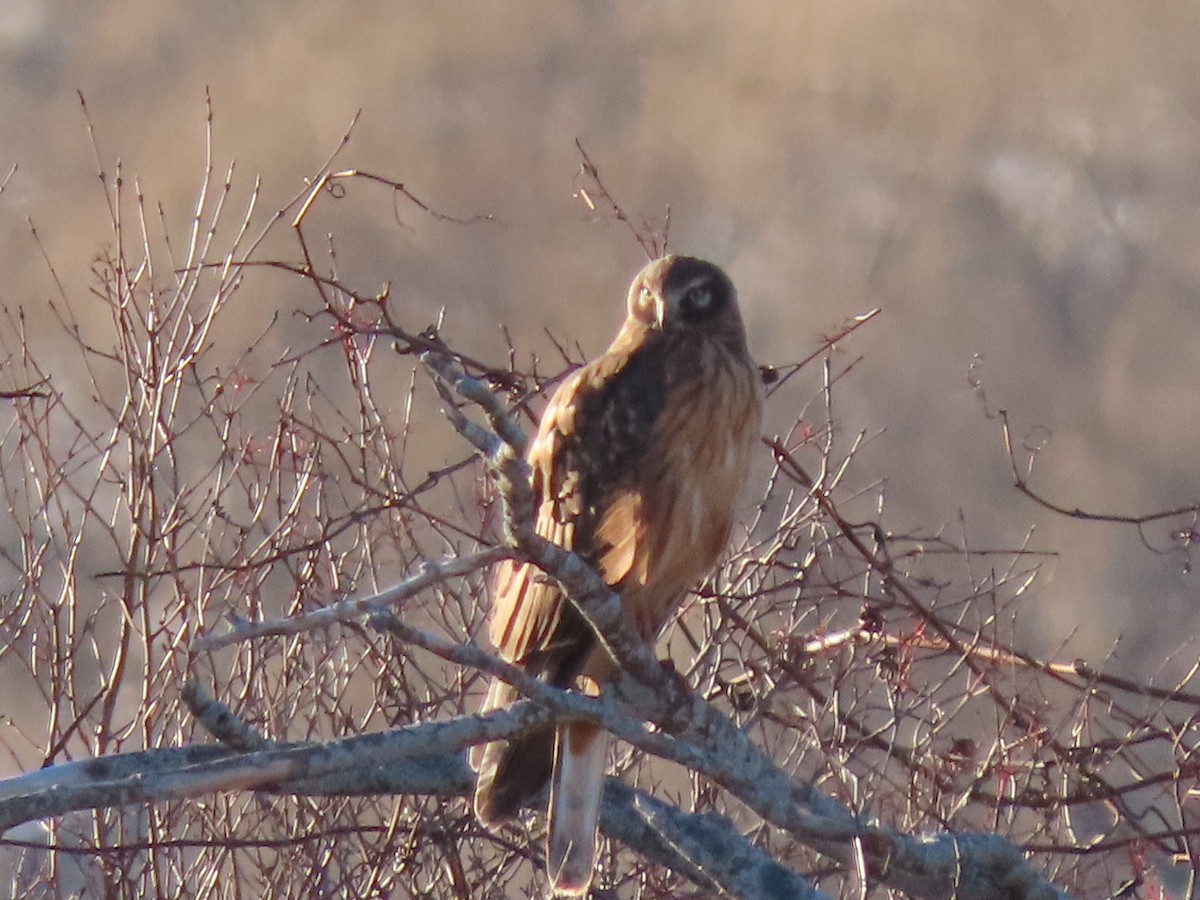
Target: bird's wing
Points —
{"points": [[590, 445], [585, 462]]}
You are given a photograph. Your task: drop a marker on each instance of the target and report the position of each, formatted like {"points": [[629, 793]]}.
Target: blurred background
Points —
{"points": [[1018, 182]]}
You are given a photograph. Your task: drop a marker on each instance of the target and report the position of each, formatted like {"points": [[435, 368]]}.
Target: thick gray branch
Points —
{"points": [[705, 848], [418, 759], [428, 752]]}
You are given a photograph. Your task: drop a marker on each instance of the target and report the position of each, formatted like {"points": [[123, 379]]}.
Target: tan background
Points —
{"points": [[1016, 180]]}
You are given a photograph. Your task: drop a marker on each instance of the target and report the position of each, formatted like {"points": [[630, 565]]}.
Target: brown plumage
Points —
{"points": [[637, 465]]}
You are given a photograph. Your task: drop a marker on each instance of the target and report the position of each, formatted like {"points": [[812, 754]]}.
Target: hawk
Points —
{"points": [[636, 465]]}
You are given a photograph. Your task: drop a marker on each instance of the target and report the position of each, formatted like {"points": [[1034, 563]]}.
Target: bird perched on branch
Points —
{"points": [[636, 465]]}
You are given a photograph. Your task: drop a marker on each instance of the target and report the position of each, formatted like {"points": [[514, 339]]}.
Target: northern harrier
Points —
{"points": [[637, 465]]}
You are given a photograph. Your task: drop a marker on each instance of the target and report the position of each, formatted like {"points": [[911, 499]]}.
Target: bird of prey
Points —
{"points": [[636, 465]]}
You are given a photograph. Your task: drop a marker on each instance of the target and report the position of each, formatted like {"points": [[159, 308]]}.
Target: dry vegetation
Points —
{"points": [[161, 489]]}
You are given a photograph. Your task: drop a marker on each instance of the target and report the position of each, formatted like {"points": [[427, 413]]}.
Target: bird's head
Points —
{"points": [[678, 293]]}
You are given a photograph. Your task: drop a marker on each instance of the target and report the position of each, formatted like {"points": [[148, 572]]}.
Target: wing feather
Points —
{"points": [[589, 446]]}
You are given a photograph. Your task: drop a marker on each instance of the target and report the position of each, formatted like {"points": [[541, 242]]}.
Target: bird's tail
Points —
{"points": [[510, 772], [580, 752]]}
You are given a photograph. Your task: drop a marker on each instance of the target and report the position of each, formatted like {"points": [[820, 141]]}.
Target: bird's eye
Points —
{"points": [[698, 299], [700, 302]]}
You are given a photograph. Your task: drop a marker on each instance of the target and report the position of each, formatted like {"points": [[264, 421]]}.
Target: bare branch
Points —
{"points": [[352, 609]]}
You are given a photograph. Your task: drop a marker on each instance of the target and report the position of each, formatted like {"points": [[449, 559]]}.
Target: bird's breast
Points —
{"points": [[690, 482]]}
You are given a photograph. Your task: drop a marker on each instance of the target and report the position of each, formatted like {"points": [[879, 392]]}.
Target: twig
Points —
{"points": [[653, 243], [352, 609]]}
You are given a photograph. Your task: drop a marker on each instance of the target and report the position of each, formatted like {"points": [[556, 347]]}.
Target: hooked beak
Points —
{"points": [[660, 312]]}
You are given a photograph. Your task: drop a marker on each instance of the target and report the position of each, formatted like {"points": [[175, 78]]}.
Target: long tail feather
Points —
{"points": [[580, 753]]}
